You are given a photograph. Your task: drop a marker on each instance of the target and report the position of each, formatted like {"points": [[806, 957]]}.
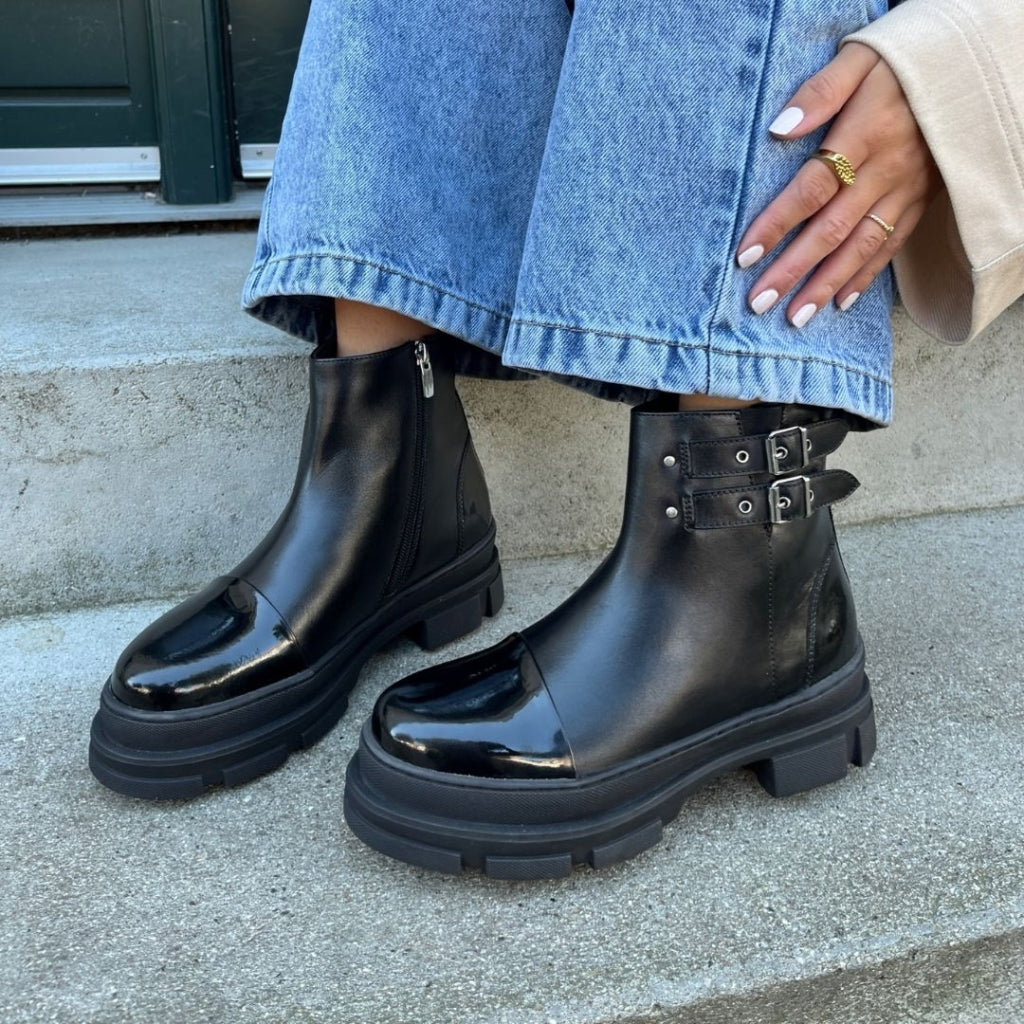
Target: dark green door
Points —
{"points": [[76, 74], [265, 38], [190, 92]]}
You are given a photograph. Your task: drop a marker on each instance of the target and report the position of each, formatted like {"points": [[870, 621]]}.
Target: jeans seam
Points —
{"points": [[803, 359], [267, 205], [621, 335], [710, 348], [741, 191]]}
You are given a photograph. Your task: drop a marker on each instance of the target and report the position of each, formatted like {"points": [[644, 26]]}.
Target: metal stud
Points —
{"points": [[745, 507], [743, 456], [669, 460], [672, 512]]}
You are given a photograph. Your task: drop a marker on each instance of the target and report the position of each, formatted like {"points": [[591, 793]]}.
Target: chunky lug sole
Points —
{"points": [[517, 829], [179, 754]]}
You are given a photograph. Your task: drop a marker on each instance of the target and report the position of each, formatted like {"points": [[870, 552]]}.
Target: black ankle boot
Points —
{"points": [[388, 530], [718, 633]]}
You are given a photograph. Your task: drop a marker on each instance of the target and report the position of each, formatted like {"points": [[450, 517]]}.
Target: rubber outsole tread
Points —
{"points": [[782, 773], [506, 868]]}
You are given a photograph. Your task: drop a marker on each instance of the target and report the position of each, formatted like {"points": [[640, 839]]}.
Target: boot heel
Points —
{"points": [[460, 618], [819, 763]]}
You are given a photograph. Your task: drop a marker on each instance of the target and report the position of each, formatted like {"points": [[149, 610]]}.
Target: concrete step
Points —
{"points": [[895, 896], [148, 429]]}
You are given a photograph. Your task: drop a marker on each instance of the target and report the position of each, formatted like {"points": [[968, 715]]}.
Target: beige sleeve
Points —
{"points": [[961, 65]]}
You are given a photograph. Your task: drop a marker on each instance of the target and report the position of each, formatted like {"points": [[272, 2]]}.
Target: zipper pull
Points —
{"points": [[426, 370]]}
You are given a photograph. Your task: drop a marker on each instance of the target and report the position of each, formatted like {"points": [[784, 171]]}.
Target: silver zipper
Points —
{"points": [[426, 370]]}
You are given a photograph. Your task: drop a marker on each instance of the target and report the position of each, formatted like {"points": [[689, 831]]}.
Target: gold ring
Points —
{"points": [[841, 166], [887, 228]]}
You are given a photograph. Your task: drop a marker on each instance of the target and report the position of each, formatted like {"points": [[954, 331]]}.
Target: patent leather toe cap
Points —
{"points": [[488, 715], [226, 641]]}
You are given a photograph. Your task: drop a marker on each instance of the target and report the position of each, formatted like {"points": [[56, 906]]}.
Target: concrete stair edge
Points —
{"points": [[144, 444], [910, 977]]}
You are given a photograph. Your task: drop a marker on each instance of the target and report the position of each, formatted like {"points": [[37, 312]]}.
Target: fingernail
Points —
{"points": [[764, 301], [786, 121], [849, 301], [750, 256], [803, 314]]}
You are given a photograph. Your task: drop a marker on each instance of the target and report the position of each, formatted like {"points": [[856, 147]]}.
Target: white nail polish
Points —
{"points": [[849, 301], [786, 121], [803, 314], [764, 301], [750, 256]]}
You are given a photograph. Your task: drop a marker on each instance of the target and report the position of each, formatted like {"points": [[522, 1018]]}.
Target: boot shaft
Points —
{"points": [[388, 487], [736, 503]]}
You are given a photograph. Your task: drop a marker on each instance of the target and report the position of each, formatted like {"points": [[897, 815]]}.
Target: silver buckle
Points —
{"points": [[779, 503], [777, 454]]}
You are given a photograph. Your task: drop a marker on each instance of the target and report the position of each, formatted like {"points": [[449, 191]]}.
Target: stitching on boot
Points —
{"points": [[737, 422], [689, 514], [460, 500], [684, 458], [812, 614]]}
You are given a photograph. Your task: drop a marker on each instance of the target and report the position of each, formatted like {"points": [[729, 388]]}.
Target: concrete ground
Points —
{"points": [[896, 896]]}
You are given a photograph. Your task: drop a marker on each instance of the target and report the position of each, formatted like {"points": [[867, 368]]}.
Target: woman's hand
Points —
{"points": [[896, 180]]}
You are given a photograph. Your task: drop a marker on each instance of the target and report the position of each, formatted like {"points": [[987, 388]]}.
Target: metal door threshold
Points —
{"points": [[20, 208]]}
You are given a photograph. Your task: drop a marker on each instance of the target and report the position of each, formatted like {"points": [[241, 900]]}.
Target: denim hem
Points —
{"points": [[658, 365], [296, 293], [291, 292]]}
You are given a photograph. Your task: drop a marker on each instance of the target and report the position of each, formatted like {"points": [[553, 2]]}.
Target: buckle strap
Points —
{"points": [[783, 451], [781, 501]]}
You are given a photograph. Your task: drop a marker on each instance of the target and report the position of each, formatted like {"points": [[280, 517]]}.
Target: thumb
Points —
{"points": [[823, 95]]}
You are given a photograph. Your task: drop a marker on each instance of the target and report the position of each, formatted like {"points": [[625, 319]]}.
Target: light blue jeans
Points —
{"points": [[563, 193]]}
